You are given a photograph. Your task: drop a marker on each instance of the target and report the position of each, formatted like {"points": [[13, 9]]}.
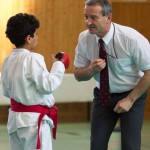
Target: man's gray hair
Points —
{"points": [[104, 3]]}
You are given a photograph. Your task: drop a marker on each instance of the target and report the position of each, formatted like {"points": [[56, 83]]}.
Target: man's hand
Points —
{"points": [[123, 105], [97, 65], [86, 73]]}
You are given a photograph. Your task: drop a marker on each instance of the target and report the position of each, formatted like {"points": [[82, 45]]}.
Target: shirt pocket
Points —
{"points": [[124, 66]]}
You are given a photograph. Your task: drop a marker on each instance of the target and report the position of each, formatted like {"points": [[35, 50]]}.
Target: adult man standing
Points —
{"points": [[128, 55]]}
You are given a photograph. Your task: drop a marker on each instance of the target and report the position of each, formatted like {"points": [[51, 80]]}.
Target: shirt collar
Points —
{"points": [[20, 50], [108, 36]]}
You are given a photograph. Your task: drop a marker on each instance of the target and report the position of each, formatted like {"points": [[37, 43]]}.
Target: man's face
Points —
{"points": [[96, 23]]}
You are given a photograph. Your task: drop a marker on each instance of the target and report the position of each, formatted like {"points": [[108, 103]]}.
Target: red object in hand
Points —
{"points": [[64, 58]]}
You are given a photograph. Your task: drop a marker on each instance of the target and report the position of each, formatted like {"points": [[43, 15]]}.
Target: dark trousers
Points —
{"points": [[104, 119]]}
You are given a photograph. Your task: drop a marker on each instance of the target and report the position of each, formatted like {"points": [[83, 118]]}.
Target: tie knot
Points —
{"points": [[101, 41]]}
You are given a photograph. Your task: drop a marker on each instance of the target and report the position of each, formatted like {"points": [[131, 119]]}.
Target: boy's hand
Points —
{"points": [[53, 58], [64, 58]]}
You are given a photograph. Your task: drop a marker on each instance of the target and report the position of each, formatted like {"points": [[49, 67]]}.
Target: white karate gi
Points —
{"points": [[26, 79]]}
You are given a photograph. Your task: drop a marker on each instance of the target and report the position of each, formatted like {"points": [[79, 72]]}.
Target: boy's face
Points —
{"points": [[34, 41]]}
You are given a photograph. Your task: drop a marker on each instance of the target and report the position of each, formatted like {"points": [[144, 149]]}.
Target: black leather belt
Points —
{"points": [[119, 94]]}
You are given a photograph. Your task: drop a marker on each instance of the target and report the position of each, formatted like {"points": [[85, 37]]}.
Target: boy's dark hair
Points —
{"points": [[20, 26], [104, 3]]}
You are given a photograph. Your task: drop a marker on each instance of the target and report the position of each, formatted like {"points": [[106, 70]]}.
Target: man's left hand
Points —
{"points": [[123, 105]]}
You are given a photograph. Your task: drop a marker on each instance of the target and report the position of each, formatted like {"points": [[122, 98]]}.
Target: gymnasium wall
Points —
{"points": [[61, 23]]}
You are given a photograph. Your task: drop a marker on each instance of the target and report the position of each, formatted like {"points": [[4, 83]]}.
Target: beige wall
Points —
{"points": [[61, 22], [133, 14]]}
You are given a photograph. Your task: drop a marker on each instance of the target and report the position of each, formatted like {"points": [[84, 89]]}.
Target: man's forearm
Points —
{"points": [[141, 87], [83, 74]]}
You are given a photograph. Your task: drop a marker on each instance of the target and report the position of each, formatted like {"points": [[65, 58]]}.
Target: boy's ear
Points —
{"points": [[28, 39]]}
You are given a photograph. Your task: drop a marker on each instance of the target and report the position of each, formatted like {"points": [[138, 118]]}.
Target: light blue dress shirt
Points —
{"points": [[130, 56]]}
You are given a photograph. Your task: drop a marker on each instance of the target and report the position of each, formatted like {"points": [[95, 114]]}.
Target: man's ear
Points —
{"points": [[109, 17]]}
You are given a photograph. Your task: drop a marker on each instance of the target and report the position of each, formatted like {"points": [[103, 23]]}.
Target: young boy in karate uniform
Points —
{"points": [[29, 85]]}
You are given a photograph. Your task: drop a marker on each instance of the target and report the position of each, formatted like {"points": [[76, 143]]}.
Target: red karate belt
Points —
{"points": [[43, 110]]}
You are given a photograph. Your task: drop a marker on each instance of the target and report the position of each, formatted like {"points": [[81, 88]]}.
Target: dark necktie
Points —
{"points": [[104, 78]]}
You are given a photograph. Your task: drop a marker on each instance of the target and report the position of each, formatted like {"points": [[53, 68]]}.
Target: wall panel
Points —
{"points": [[133, 14], [61, 22]]}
